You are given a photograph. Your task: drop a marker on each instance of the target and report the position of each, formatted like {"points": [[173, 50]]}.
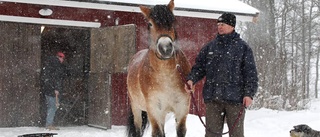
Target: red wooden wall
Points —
{"points": [[193, 34], [120, 100]]}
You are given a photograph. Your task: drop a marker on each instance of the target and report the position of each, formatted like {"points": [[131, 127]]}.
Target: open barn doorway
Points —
{"points": [[75, 43]]}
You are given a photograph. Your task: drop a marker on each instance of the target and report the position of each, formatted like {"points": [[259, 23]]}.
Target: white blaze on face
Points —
{"points": [[165, 47]]}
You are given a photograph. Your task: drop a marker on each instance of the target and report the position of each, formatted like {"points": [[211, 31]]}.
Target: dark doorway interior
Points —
{"points": [[75, 43]]}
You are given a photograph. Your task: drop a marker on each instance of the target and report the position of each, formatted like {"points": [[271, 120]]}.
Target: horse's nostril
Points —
{"points": [[168, 46], [165, 49]]}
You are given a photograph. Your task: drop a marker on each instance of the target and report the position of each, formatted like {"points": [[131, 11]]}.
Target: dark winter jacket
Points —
{"points": [[229, 67], [52, 76]]}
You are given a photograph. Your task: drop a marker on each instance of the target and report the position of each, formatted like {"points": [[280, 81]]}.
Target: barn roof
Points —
{"points": [[211, 9]]}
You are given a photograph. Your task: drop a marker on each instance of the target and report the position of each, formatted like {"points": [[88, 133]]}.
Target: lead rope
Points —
{"points": [[197, 110]]}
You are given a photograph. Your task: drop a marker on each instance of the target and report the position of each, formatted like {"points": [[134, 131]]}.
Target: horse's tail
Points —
{"points": [[132, 131], [144, 116]]}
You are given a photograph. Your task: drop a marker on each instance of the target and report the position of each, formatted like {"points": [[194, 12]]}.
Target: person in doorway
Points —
{"points": [[231, 82], [52, 77]]}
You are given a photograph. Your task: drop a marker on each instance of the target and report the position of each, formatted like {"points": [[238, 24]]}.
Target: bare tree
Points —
{"points": [[283, 41], [317, 70]]}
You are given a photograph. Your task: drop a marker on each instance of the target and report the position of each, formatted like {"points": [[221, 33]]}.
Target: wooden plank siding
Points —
{"points": [[19, 73]]}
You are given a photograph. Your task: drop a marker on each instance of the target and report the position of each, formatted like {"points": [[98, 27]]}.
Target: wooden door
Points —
{"points": [[20, 50], [111, 49]]}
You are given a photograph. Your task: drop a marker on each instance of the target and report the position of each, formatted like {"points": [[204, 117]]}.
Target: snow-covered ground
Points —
{"points": [[258, 123]]}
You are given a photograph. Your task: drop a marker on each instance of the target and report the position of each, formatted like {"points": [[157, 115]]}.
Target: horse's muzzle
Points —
{"points": [[165, 47]]}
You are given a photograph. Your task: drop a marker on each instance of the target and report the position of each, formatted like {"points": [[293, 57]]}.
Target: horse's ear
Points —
{"points": [[145, 11], [171, 5]]}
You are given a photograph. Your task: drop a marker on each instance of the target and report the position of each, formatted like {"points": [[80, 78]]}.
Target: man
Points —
{"points": [[228, 64], [52, 77]]}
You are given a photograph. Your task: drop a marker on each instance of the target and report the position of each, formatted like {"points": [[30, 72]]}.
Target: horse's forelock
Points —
{"points": [[162, 16]]}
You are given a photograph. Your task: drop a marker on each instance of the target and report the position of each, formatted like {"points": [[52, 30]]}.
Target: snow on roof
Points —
{"points": [[211, 9], [200, 8], [234, 6]]}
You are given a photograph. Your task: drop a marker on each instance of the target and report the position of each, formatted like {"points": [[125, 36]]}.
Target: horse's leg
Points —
{"points": [[181, 113], [156, 118], [181, 125], [157, 127], [134, 122]]}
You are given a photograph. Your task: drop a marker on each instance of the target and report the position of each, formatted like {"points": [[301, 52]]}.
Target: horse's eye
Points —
{"points": [[149, 24]]}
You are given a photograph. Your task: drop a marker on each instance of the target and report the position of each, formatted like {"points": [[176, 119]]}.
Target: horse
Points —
{"points": [[154, 83]]}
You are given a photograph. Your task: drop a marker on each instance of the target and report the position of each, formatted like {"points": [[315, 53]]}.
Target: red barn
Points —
{"points": [[98, 39]]}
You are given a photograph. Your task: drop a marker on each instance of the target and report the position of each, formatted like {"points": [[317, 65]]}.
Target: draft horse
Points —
{"points": [[154, 84]]}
